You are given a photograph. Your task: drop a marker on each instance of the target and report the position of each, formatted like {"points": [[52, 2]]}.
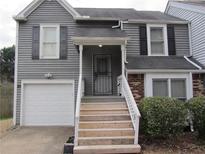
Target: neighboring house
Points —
{"points": [[194, 12], [74, 63]]}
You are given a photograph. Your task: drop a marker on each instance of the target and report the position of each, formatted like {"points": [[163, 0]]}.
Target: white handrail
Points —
{"points": [[132, 106], [77, 112]]}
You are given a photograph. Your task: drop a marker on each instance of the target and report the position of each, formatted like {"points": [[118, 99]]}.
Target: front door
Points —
{"points": [[102, 75]]}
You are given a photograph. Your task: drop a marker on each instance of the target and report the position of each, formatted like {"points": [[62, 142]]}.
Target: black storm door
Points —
{"points": [[102, 75]]}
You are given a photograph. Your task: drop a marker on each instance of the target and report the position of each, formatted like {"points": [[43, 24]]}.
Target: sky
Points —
{"points": [[9, 8]]}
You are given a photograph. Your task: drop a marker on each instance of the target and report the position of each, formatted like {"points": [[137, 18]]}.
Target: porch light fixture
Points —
{"points": [[48, 76], [100, 45]]}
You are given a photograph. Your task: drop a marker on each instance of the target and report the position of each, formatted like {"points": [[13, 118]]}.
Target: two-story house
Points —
{"points": [[194, 12], [89, 67]]}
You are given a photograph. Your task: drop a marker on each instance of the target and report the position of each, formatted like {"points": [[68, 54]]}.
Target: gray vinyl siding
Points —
{"points": [[51, 13], [88, 54], [181, 39], [197, 29], [133, 44]]}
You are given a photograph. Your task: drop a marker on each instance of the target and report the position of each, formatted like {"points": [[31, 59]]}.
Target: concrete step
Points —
{"points": [[107, 117], [103, 99], [105, 124], [117, 140], [102, 112], [107, 149], [106, 132], [104, 106]]}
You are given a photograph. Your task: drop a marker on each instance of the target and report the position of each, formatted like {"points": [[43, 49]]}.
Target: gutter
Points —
{"points": [[134, 71], [156, 21], [88, 18]]}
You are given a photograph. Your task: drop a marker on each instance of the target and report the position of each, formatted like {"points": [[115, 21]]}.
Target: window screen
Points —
{"points": [[178, 88], [49, 42], [160, 87], [157, 40]]}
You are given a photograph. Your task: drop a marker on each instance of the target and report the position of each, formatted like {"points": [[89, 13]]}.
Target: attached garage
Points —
{"points": [[47, 103]]}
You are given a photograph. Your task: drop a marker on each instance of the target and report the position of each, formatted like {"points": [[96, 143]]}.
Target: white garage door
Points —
{"points": [[48, 105]]}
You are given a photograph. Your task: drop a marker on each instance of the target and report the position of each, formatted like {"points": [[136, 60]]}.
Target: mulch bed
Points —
{"points": [[183, 144]]}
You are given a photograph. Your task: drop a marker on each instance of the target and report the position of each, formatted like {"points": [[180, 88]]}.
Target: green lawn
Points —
{"points": [[6, 100]]}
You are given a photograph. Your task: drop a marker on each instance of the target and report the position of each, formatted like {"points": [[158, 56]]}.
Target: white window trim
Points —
{"points": [[57, 38], [164, 27], [150, 76]]}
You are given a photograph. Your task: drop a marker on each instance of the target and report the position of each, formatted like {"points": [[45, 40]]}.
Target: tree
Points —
{"points": [[7, 60]]}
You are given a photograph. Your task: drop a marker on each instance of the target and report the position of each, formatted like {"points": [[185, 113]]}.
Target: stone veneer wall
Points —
{"points": [[198, 85], [136, 82]]}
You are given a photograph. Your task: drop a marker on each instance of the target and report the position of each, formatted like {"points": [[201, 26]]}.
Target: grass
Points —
{"points": [[6, 100], [183, 144]]}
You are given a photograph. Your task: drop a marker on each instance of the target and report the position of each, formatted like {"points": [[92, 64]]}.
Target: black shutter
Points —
{"points": [[63, 42], [143, 39], [171, 40], [35, 42]]}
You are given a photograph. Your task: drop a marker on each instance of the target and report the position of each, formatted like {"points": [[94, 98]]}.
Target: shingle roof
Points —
{"points": [[99, 32], [125, 14], [156, 62]]}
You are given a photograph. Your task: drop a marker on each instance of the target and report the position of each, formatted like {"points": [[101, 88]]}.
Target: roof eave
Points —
{"points": [[17, 18], [100, 40], [134, 71], [157, 21], [88, 18]]}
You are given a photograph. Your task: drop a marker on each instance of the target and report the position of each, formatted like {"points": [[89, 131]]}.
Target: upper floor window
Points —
{"points": [[49, 41], [157, 40]]}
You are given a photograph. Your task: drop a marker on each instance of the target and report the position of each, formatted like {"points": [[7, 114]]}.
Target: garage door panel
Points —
{"points": [[48, 104], [47, 109]]}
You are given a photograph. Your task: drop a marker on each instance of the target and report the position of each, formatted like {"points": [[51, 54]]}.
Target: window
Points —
{"points": [[160, 87], [157, 40], [178, 88], [169, 87], [49, 42]]}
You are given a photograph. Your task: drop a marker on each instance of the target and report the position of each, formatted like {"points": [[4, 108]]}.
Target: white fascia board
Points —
{"points": [[137, 71], [167, 7], [191, 62], [157, 21], [31, 7], [100, 40], [69, 8], [96, 18]]}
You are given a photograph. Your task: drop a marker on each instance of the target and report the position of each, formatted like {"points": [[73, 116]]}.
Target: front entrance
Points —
{"points": [[102, 75]]}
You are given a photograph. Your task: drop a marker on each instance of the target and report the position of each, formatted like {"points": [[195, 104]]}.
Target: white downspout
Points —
{"points": [[117, 26], [190, 40]]}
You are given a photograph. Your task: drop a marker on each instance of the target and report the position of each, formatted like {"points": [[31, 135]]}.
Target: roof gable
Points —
{"points": [[22, 16]]}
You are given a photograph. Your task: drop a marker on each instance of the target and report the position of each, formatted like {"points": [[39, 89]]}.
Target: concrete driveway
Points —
{"points": [[35, 140]]}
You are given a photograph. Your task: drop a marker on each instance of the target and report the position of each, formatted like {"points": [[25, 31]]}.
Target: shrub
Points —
{"points": [[162, 116], [197, 107]]}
